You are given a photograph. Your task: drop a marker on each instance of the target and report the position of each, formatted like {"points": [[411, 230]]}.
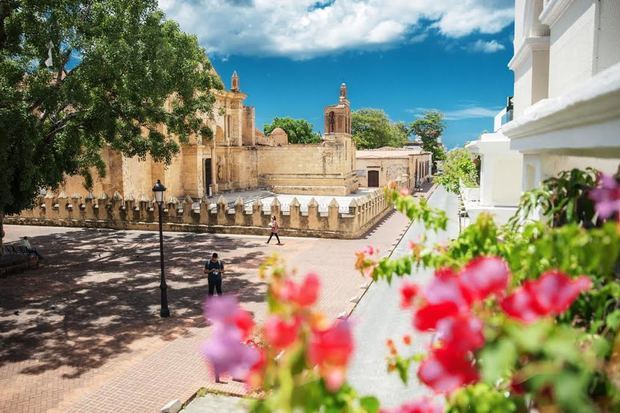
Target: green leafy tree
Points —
{"points": [[78, 75], [429, 129], [371, 128], [458, 166], [298, 130]]}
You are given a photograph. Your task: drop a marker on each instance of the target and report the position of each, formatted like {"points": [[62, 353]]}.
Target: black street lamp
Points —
{"points": [[158, 190]]}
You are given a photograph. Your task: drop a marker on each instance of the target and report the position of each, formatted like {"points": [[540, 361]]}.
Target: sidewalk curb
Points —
{"points": [[400, 237]]}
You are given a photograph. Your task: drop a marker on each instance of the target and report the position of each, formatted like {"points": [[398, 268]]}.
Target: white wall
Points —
{"points": [[571, 50], [608, 39]]}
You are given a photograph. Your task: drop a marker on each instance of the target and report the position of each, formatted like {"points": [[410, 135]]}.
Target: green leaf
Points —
{"points": [[498, 360], [370, 404]]}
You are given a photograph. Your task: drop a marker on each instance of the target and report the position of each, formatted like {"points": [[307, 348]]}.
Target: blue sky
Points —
{"points": [[402, 56]]}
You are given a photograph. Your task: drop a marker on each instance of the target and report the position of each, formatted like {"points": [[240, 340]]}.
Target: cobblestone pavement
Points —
{"points": [[82, 332]]}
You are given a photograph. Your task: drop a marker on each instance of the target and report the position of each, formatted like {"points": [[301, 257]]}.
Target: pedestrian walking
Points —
{"points": [[274, 230], [214, 268]]}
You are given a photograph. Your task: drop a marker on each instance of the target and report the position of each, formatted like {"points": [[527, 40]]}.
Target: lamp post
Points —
{"points": [[158, 190]]}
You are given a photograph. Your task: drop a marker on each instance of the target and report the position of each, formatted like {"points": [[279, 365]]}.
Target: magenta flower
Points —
{"points": [[225, 349], [607, 196], [220, 309], [227, 353]]}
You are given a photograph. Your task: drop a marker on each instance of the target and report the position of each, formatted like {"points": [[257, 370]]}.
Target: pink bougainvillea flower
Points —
{"points": [[461, 334], [521, 305], [484, 276], [254, 377], [607, 196], [555, 291], [220, 309], [551, 294], [331, 350], [408, 291], [445, 287], [281, 333], [227, 353], [423, 405], [304, 294], [445, 371], [244, 322], [333, 345], [365, 261], [427, 316]]}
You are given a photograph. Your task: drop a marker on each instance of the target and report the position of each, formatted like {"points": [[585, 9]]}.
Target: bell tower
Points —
{"points": [[338, 117], [234, 82]]}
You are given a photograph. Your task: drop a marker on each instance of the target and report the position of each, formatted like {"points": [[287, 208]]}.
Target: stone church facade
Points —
{"points": [[238, 157]]}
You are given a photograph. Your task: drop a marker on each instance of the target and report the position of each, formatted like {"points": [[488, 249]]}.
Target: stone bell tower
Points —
{"points": [[234, 82], [338, 117]]}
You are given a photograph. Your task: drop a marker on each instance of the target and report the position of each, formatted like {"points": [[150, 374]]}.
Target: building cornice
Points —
{"points": [[596, 101], [553, 10], [529, 45]]}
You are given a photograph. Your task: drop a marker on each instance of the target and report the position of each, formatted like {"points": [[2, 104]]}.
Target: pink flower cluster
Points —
{"points": [[445, 306], [226, 348], [606, 196], [230, 350], [366, 260]]}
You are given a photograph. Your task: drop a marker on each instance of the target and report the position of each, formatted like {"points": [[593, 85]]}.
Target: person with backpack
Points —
{"points": [[214, 268], [274, 230]]}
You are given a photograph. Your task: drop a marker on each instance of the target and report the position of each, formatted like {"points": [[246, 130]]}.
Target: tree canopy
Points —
{"points": [[77, 75], [371, 128], [458, 167], [298, 130], [429, 129]]}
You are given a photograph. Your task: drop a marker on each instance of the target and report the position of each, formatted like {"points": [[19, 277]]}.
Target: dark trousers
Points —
{"points": [[215, 283], [271, 236]]}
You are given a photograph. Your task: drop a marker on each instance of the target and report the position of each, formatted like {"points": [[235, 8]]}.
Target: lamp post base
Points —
{"points": [[164, 312]]}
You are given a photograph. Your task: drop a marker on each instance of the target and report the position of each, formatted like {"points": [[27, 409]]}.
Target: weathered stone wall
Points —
{"points": [[319, 169], [186, 215]]}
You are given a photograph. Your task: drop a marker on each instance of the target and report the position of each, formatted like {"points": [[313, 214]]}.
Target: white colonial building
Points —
{"points": [[566, 105]]}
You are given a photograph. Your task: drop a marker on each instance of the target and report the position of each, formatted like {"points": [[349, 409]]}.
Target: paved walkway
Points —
{"points": [[82, 333], [379, 317]]}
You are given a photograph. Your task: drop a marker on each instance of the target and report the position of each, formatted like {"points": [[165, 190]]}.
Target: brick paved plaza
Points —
{"points": [[82, 333]]}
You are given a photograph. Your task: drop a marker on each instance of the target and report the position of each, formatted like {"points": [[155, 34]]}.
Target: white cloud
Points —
{"points": [[307, 28], [486, 47], [467, 112]]}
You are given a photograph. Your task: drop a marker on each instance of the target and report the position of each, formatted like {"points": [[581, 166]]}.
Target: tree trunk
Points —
{"points": [[1, 232]]}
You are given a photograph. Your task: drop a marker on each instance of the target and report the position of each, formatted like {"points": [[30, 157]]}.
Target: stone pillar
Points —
{"points": [[257, 213], [295, 214], [73, 207], [204, 211], [127, 212], [313, 214], [276, 208], [61, 206], [332, 215], [221, 211], [188, 210], [239, 215], [354, 212]]}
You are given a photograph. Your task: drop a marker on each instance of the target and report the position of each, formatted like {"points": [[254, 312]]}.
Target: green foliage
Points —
{"points": [[114, 66], [371, 128], [429, 129], [458, 166], [298, 130], [562, 199], [480, 398]]}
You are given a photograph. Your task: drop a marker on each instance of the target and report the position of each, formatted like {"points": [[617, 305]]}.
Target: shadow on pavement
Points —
{"points": [[98, 292]]}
